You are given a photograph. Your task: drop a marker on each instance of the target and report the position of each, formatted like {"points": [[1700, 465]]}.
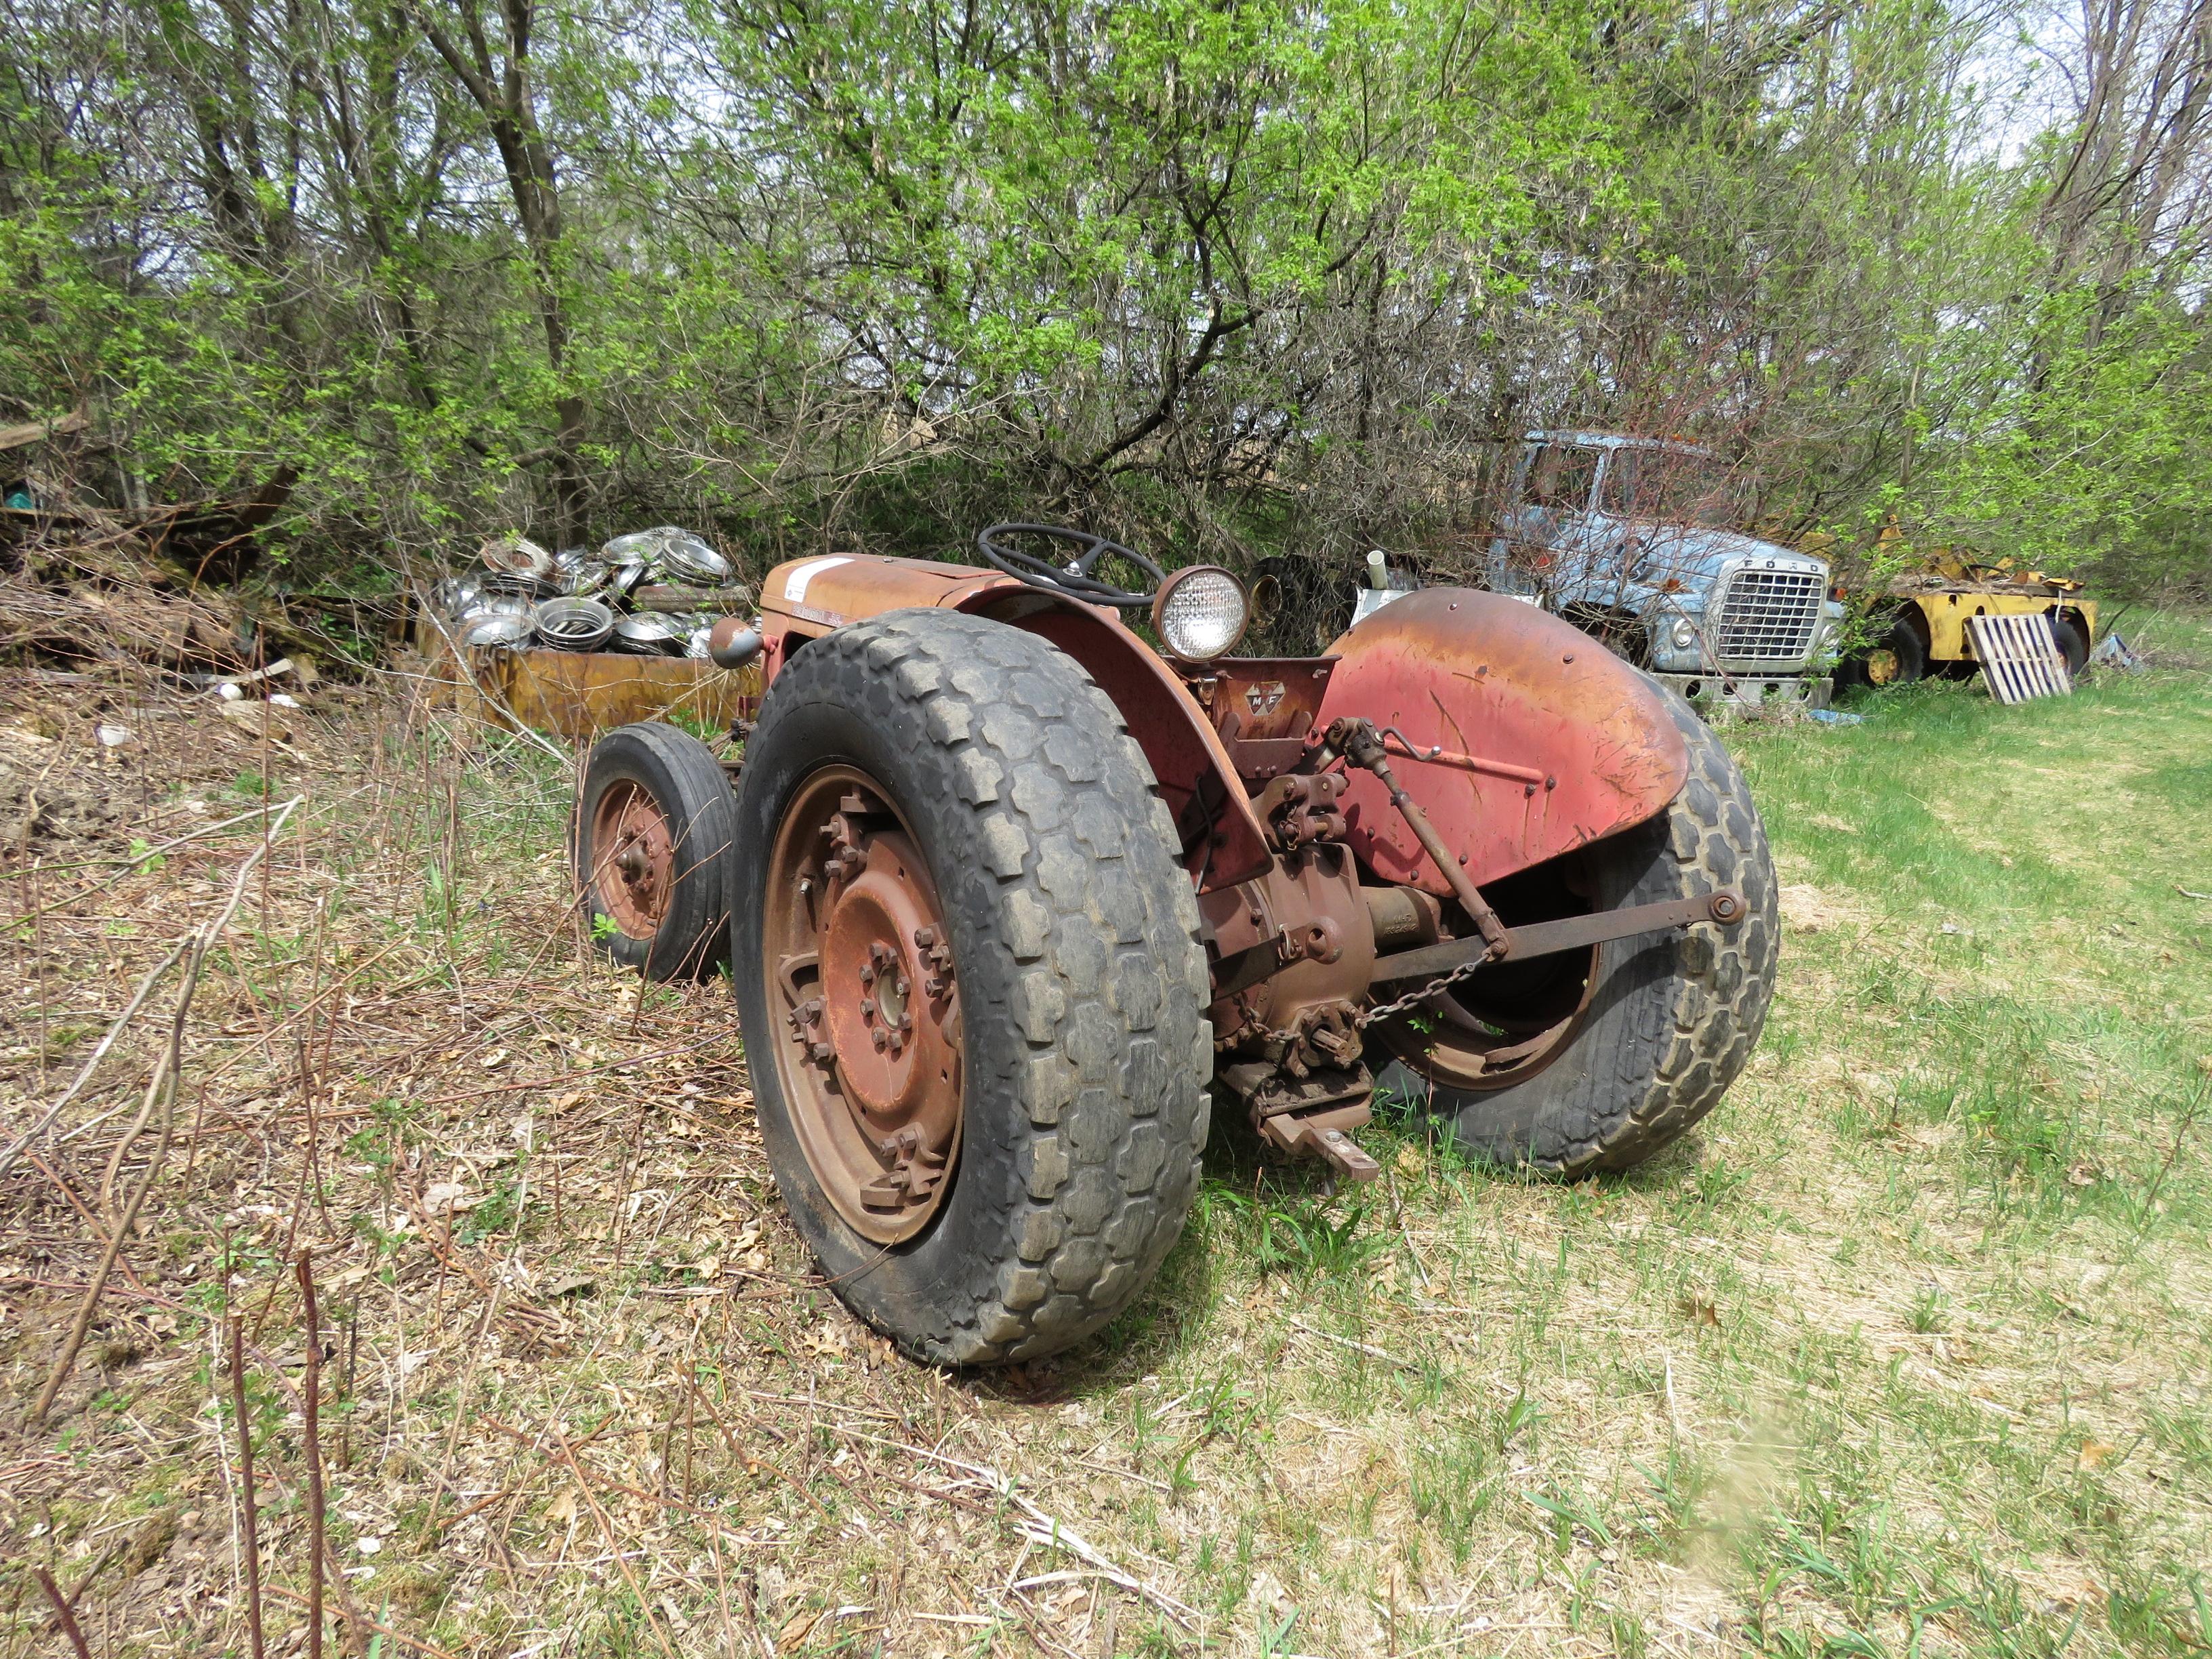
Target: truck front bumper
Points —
{"points": [[1743, 693]]}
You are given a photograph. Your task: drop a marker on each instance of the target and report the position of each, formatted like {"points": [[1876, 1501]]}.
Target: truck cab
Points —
{"points": [[1639, 542]]}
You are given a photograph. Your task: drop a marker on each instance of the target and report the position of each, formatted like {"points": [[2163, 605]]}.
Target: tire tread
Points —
{"points": [[1069, 873], [1726, 979]]}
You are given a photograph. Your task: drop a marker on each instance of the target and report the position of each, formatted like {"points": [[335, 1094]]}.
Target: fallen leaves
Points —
{"points": [[1699, 1311], [800, 1625]]}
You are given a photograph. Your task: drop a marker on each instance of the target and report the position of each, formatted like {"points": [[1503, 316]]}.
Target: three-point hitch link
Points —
{"points": [[1361, 746]]}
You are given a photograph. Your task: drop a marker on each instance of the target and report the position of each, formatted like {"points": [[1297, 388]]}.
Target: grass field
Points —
{"points": [[1905, 1352]]}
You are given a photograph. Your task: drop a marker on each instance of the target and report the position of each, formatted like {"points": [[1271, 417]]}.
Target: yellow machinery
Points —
{"points": [[1918, 624]]}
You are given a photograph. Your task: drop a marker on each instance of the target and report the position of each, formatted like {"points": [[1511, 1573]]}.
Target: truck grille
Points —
{"points": [[1768, 615]]}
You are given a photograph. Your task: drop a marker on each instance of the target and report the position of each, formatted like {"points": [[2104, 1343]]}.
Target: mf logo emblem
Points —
{"points": [[1263, 698]]}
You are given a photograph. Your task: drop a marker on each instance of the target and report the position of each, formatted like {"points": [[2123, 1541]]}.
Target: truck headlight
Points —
{"points": [[1200, 612], [1684, 634]]}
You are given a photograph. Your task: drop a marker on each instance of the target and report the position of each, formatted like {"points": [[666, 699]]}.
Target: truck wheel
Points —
{"points": [[1898, 657], [2073, 643], [1595, 1060], [649, 847], [974, 1000]]}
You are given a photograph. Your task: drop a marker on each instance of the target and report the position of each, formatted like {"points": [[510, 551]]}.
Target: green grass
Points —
{"points": [[1904, 1352]]}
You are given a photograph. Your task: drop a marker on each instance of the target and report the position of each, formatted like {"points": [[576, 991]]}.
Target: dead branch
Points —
{"points": [[253, 1539], [99, 1052], [63, 1614], [163, 1085]]}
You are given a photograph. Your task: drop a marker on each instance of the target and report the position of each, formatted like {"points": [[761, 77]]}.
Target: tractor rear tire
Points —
{"points": [[1673, 1018], [1080, 1048], [649, 847]]}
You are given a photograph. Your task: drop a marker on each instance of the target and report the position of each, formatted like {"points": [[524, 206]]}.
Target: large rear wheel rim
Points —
{"points": [[1459, 1038], [633, 859], [869, 1053], [1507, 1023]]}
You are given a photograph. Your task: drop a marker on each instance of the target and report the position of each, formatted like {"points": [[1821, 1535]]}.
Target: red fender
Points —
{"points": [[1547, 740]]}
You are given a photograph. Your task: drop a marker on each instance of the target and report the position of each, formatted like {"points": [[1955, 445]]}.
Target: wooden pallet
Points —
{"points": [[2019, 657]]}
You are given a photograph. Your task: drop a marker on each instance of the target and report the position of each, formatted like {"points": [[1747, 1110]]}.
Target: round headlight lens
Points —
{"points": [[1201, 612], [1685, 633]]}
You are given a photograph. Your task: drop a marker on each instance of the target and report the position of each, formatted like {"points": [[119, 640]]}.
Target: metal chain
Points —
{"points": [[1412, 1000]]}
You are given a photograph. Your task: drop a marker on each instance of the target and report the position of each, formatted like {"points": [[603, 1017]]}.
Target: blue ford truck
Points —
{"points": [[1638, 541]]}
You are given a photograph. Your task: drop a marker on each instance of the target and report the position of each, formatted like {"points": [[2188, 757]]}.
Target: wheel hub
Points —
{"points": [[873, 1071], [1509, 1021], [1881, 665], [888, 1057], [632, 843]]}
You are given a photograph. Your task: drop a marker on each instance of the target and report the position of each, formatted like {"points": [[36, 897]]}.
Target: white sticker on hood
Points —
{"points": [[794, 584]]}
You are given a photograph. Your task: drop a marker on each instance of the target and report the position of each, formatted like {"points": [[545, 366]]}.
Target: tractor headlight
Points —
{"points": [[1200, 612], [1685, 633]]}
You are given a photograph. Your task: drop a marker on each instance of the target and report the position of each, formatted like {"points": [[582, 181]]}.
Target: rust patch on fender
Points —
{"points": [[1520, 737]]}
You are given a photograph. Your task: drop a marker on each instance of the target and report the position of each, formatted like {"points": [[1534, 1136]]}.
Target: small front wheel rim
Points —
{"points": [[1882, 666], [633, 859], [868, 1050]]}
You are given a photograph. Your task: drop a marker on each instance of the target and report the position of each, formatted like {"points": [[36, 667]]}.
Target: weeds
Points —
{"points": [[1300, 1237], [1901, 1354]]}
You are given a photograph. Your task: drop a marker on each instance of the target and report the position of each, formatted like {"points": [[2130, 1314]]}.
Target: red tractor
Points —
{"points": [[1021, 867]]}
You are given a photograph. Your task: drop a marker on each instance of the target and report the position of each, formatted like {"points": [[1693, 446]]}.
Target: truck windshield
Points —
{"points": [[1561, 477], [1669, 487]]}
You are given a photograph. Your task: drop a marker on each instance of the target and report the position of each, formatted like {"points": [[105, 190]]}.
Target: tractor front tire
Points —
{"points": [[949, 770], [649, 848], [1671, 1018]]}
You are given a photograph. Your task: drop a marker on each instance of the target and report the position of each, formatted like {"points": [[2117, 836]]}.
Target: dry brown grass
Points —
{"points": [[1904, 1353]]}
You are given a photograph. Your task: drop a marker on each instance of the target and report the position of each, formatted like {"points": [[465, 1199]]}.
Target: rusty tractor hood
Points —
{"points": [[1520, 736]]}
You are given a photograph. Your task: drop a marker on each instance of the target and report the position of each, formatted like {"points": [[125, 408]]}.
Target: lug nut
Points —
{"points": [[902, 984], [898, 1044], [867, 976], [924, 938], [867, 1007], [882, 1038]]}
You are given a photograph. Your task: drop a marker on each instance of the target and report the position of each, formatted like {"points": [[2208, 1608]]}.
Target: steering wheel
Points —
{"points": [[1074, 578]]}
